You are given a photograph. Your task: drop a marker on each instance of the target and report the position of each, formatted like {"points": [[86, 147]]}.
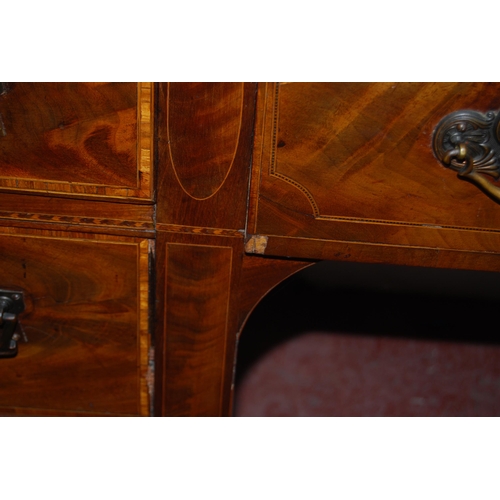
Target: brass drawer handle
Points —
{"points": [[11, 305], [468, 143]]}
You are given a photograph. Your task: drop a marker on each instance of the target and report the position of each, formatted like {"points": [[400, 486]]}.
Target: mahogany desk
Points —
{"points": [[142, 223]]}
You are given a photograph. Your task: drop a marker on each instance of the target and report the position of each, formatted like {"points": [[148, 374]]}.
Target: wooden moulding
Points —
{"points": [[83, 140], [355, 251], [25, 210]]}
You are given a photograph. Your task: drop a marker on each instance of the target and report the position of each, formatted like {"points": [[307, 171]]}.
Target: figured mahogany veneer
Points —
{"points": [[204, 149], [354, 163], [90, 139], [145, 222], [86, 321]]}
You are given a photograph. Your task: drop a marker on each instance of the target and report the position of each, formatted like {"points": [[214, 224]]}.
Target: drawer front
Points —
{"points": [[83, 139], [86, 322], [355, 162]]}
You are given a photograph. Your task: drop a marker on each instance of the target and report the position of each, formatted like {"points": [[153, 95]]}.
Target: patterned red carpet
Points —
{"points": [[400, 353], [331, 374]]}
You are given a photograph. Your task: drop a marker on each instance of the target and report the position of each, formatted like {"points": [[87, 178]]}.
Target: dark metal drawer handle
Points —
{"points": [[11, 305], [4, 89], [468, 142]]}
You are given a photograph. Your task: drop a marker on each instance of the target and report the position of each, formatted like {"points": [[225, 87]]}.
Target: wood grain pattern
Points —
{"points": [[339, 171], [81, 139], [145, 140], [174, 228], [145, 349], [203, 125], [409, 235], [330, 249], [204, 153], [86, 320], [68, 212], [355, 161], [207, 287], [259, 275], [198, 280]]}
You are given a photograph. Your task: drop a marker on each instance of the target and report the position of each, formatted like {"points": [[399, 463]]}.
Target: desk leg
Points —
{"points": [[206, 287]]}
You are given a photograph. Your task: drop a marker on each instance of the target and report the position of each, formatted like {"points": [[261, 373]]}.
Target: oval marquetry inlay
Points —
{"points": [[204, 121]]}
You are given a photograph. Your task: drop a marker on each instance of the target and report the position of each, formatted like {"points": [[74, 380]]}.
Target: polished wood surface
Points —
{"points": [[75, 214], [204, 154], [209, 115], [197, 293], [86, 321], [354, 162], [206, 288], [77, 138], [145, 222]]}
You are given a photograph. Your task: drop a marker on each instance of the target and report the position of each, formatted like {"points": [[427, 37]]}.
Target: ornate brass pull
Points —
{"points": [[11, 305], [468, 142]]}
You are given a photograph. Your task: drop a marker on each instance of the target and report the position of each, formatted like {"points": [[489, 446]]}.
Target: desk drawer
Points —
{"points": [[86, 322], [79, 139], [355, 162]]}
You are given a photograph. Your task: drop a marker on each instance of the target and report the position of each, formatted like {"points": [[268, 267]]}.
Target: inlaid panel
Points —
{"points": [[197, 293], [204, 154], [86, 322], [90, 139], [355, 162], [204, 124]]}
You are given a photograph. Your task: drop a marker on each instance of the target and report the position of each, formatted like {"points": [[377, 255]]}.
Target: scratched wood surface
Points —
{"points": [[83, 139], [86, 319], [354, 162]]}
